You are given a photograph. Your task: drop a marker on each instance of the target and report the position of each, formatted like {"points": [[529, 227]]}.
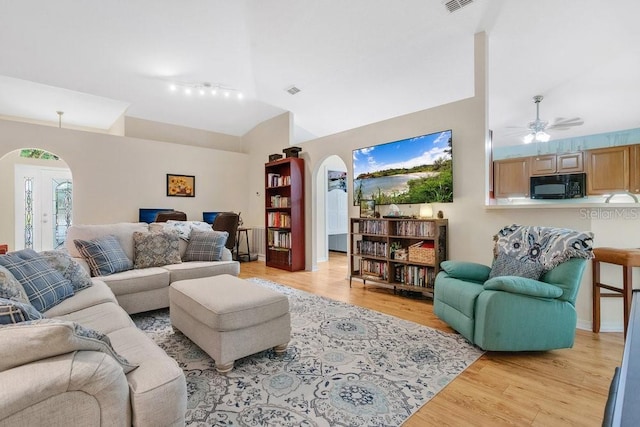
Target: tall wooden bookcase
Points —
{"points": [[401, 254], [284, 213]]}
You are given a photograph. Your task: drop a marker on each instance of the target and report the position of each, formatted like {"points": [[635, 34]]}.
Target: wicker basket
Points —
{"points": [[422, 255]]}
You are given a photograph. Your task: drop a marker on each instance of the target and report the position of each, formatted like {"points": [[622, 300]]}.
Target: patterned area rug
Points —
{"points": [[345, 366]]}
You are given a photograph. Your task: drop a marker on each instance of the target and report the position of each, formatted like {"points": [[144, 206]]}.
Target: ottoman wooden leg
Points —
{"points": [[282, 348], [223, 369]]}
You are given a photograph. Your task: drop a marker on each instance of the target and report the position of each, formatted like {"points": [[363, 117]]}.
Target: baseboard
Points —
{"points": [[604, 326]]}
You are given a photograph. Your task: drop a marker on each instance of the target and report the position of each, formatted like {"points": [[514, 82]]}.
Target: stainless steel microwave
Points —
{"points": [[569, 186]]}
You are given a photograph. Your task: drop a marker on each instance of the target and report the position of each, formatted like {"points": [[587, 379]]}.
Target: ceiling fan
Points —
{"points": [[538, 128]]}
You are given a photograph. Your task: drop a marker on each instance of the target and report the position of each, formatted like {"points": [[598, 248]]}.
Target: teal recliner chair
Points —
{"points": [[526, 300]]}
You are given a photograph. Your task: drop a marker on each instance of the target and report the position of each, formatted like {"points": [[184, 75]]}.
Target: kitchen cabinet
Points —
{"points": [[608, 170], [511, 177], [551, 164], [634, 169]]}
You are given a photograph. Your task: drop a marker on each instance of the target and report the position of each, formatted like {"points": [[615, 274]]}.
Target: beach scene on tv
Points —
{"points": [[413, 170]]}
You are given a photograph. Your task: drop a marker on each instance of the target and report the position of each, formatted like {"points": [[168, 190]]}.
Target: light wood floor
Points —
{"points": [[555, 388]]}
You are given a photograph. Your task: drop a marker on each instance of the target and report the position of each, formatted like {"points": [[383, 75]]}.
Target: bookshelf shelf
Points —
{"points": [[399, 254], [284, 213]]}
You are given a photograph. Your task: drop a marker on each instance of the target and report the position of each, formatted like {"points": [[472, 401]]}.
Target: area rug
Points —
{"points": [[345, 366]]}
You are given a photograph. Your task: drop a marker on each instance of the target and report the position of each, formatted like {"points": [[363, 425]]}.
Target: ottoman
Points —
{"points": [[230, 318]]}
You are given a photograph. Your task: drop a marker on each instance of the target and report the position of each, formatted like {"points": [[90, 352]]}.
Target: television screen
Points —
{"points": [[413, 170]]}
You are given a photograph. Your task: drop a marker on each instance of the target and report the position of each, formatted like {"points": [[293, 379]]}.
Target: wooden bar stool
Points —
{"points": [[627, 258]]}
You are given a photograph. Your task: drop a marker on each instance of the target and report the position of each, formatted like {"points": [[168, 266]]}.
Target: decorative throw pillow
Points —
{"points": [[155, 249], [205, 245], [40, 339], [10, 287], [44, 286], [104, 255], [505, 265], [15, 312], [184, 228], [62, 262]]}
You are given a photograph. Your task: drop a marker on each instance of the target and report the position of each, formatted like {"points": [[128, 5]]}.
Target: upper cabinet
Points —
{"points": [[511, 177], [550, 164], [608, 169], [634, 169]]}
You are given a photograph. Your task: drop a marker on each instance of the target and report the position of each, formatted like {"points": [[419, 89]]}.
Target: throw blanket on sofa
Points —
{"points": [[547, 246]]}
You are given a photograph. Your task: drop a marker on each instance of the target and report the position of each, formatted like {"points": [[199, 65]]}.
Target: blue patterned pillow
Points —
{"points": [[10, 287], [70, 269], [505, 265], [44, 286], [15, 312], [205, 245], [104, 255]]}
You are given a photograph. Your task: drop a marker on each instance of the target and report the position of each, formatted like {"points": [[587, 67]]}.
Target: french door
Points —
{"points": [[43, 206]]}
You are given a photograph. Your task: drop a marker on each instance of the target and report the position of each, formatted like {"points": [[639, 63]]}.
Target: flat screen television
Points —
{"points": [[412, 170]]}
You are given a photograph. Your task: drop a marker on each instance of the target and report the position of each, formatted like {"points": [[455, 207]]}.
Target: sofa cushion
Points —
{"points": [[106, 317], [98, 293], [205, 245], [10, 287], [157, 377], [523, 286], [104, 255], [123, 232], [61, 261], [506, 265], [198, 269], [155, 249], [44, 286], [135, 281], [39, 339], [466, 270], [15, 312]]}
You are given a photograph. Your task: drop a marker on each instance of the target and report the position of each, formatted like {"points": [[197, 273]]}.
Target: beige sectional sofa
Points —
{"points": [[51, 375], [145, 289], [48, 378]]}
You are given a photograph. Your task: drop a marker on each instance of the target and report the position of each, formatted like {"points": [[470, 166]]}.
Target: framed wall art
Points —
{"points": [[367, 208], [181, 185]]}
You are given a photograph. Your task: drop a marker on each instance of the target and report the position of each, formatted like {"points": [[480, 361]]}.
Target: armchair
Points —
{"points": [[526, 300]]}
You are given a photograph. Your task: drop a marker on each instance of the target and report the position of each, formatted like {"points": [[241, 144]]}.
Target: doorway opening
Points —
{"points": [[40, 199], [332, 220]]}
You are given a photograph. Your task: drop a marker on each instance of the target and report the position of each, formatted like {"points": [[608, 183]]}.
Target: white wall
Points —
{"points": [[114, 176]]}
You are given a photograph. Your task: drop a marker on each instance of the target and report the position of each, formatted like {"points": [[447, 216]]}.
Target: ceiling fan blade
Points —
{"points": [[562, 123]]}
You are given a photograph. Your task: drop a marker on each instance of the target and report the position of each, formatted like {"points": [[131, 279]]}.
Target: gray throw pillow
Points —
{"points": [[205, 245], [10, 287], [505, 265], [155, 249], [15, 312], [44, 286], [104, 255], [69, 268]]}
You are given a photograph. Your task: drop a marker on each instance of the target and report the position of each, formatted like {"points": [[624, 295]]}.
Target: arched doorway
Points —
{"points": [[332, 210], [38, 204]]}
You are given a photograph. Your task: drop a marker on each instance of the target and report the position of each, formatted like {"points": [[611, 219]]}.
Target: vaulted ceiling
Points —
{"points": [[355, 62]]}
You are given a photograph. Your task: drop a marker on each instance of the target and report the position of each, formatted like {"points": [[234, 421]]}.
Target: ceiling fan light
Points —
{"points": [[528, 138], [542, 136]]}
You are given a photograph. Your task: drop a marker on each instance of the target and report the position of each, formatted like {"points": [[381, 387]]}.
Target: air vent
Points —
{"points": [[454, 5], [292, 90]]}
